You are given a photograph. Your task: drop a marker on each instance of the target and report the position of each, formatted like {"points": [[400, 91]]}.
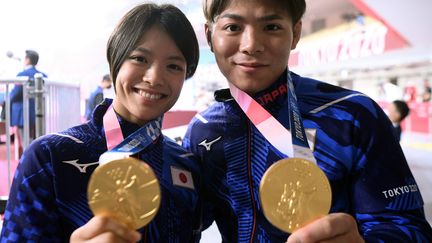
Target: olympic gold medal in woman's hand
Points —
{"points": [[294, 192], [126, 189]]}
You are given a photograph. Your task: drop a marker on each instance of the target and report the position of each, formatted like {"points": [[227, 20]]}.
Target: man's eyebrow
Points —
{"points": [[270, 17], [231, 16], [263, 18]]}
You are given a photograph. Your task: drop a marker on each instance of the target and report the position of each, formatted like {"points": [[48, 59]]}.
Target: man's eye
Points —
{"points": [[273, 27], [138, 58], [232, 28]]}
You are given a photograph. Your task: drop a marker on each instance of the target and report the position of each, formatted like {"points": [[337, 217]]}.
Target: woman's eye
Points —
{"points": [[176, 67]]}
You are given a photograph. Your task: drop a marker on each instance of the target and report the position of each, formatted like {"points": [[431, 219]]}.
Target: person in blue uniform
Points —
{"points": [[374, 195], [397, 112], [16, 96], [97, 96], [150, 53]]}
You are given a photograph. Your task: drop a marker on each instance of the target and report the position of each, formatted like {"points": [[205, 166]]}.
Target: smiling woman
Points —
{"points": [[150, 53], [150, 79]]}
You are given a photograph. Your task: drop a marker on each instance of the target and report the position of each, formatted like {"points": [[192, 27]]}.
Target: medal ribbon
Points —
{"points": [[292, 143], [119, 148]]}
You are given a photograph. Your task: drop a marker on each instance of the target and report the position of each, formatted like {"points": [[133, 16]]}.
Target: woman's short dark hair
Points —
{"points": [[295, 8], [140, 19]]}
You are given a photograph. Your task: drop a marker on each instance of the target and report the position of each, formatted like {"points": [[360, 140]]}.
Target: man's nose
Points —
{"points": [[250, 42]]}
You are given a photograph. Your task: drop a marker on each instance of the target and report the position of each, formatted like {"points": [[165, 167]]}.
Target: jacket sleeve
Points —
{"points": [[386, 200], [31, 212], [405, 226]]}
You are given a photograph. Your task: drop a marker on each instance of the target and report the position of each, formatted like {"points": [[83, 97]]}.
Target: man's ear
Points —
{"points": [[296, 34], [208, 34]]}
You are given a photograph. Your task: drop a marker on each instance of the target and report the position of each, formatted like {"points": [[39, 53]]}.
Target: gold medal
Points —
{"points": [[126, 189], [294, 192]]}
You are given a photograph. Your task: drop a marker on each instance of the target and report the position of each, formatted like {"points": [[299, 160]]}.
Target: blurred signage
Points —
{"points": [[345, 42]]}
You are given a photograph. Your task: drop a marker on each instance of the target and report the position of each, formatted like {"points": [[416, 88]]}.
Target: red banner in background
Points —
{"points": [[420, 118], [177, 118], [395, 39]]}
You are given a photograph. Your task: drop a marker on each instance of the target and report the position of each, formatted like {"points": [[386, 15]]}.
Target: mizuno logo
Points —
{"points": [[81, 167], [208, 145]]}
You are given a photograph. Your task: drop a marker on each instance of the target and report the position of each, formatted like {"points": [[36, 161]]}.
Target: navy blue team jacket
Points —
{"points": [[16, 99], [352, 141], [48, 197]]}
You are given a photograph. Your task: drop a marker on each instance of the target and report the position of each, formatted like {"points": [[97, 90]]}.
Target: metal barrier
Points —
{"points": [[57, 107], [62, 106], [16, 81]]}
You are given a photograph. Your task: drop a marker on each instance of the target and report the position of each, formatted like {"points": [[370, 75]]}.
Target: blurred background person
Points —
{"points": [[398, 110], [10, 65], [16, 98], [427, 92], [97, 96], [410, 92]]}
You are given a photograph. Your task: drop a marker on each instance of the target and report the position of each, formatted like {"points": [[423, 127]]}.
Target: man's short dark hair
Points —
{"points": [[402, 107], [106, 77], [33, 56], [295, 8]]}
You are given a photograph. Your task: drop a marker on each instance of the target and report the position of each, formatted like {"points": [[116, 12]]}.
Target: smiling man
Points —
{"points": [[250, 125]]}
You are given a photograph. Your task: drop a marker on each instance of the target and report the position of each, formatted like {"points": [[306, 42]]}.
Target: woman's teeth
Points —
{"points": [[149, 96]]}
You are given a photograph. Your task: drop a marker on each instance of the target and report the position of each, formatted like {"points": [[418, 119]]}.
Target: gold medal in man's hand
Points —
{"points": [[294, 192]]}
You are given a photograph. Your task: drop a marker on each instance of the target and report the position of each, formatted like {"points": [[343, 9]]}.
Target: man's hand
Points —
{"points": [[335, 227], [104, 229]]}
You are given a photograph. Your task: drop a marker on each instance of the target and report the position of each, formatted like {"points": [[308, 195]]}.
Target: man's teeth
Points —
{"points": [[149, 96]]}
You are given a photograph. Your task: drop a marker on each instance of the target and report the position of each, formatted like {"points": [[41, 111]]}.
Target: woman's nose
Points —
{"points": [[153, 75]]}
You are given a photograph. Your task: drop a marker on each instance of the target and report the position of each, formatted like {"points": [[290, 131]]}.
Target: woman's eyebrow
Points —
{"points": [[171, 57]]}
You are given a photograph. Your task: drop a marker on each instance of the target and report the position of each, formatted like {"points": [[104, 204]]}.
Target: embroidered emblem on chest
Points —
{"points": [[182, 178], [208, 145], [81, 167]]}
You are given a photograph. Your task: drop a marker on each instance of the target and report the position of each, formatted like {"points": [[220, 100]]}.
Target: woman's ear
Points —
{"points": [[208, 34], [296, 34]]}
